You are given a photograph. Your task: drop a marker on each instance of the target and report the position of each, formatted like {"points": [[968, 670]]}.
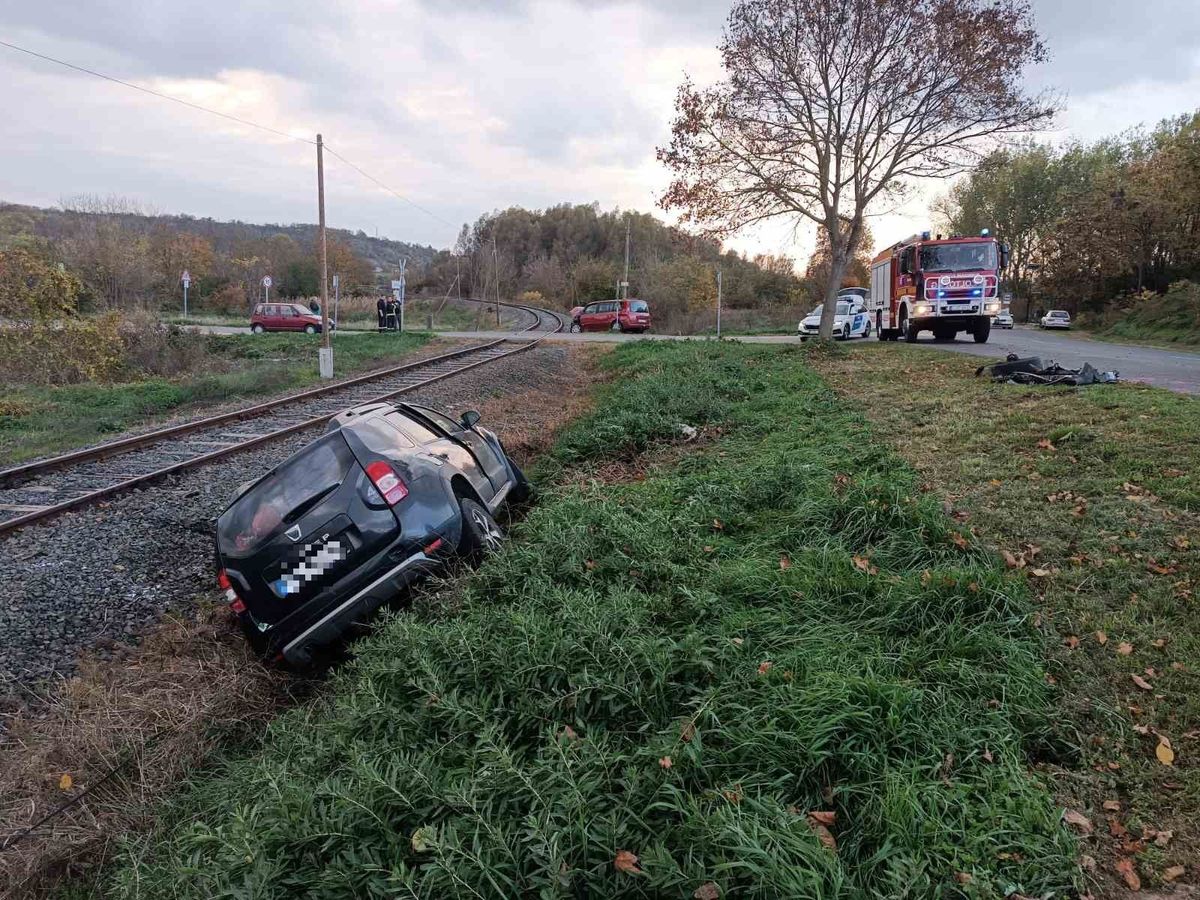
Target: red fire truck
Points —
{"points": [[943, 285]]}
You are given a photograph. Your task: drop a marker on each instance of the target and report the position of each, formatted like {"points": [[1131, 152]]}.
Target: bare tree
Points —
{"points": [[830, 105]]}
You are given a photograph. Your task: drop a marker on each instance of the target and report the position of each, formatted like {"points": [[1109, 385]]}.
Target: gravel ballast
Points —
{"points": [[97, 577]]}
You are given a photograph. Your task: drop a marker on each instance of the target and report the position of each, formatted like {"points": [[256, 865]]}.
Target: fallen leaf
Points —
{"points": [[569, 733], [1071, 641], [589, 564], [1126, 870], [687, 732], [707, 891], [1164, 751], [1125, 648], [718, 525], [1079, 820], [423, 838], [1141, 682], [64, 783], [1163, 838], [1112, 805], [987, 755], [1044, 444], [627, 862], [734, 794], [765, 667], [1101, 638], [864, 565], [666, 762], [1039, 573], [737, 642], [1116, 829], [826, 818], [824, 835], [1173, 873], [960, 540], [962, 877], [1012, 561], [785, 563], [1160, 643], [926, 577], [1087, 863]]}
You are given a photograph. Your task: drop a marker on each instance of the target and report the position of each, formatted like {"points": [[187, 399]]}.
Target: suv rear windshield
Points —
{"points": [[639, 306], [257, 515]]}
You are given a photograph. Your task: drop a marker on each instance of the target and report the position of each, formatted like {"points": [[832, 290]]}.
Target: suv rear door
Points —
{"points": [[486, 456], [303, 527]]}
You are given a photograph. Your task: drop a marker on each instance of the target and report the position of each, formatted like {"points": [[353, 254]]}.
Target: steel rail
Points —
{"points": [[137, 442]]}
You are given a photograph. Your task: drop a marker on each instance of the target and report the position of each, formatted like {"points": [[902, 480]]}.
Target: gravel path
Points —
{"points": [[97, 577]]}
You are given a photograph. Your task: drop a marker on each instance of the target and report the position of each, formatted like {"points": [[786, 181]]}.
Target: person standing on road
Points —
{"points": [[314, 307]]}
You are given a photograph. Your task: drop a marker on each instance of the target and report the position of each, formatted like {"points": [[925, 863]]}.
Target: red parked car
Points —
{"points": [[286, 317], [612, 315]]}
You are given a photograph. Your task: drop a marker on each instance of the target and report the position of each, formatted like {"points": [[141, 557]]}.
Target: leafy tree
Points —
{"points": [[830, 105], [820, 266], [33, 289]]}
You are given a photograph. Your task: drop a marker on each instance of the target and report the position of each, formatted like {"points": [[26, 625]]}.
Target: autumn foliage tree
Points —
{"points": [[828, 106], [820, 265]]}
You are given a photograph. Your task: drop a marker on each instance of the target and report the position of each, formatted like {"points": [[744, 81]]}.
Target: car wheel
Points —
{"points": [[310, 329], [867, 332], [257, 329], [480, 533], [615, 327], [576, 328]]}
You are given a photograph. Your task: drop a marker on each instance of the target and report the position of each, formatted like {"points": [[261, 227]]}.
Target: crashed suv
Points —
{"points": [[390, 493]]}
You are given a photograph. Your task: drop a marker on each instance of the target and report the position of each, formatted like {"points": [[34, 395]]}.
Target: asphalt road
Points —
{"points": [[1174, 370]]}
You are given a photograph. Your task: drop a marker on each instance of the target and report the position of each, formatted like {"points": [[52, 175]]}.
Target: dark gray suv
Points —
{"points": [[389, 493]]}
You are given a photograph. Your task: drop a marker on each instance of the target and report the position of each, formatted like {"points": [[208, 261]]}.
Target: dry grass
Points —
{"points": [[147, 719]]}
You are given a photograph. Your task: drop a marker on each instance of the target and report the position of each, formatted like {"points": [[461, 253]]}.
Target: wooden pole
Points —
{"points": [[325, 344]]}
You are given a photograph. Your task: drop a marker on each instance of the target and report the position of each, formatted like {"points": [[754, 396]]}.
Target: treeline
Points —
{"points": [[570, 255], [128, 259], [1094, 228]]}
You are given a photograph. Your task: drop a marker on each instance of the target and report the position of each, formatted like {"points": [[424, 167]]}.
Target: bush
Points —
{"points": [[65, 352]]}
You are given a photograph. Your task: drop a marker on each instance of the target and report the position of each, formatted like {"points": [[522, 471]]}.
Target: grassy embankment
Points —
{"points": [[1095, 494], [360, 315], [720, 658], [1168, 320], [37, 420]]}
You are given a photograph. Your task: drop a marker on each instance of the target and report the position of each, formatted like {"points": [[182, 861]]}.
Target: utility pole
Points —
{"points": [[625, 283], [325, 354], [496, 274], [718, 304]]}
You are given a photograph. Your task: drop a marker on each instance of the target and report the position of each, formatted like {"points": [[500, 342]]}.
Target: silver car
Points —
{"points": [[1003, 320]]}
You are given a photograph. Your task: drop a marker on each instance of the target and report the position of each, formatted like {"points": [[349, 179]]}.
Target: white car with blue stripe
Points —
{"points": [[851, 321]]}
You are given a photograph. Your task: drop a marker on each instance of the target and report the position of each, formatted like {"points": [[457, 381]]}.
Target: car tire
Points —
{"points": [[310, 329], [257, 329], [576, 328], [615, 327], [867, 332], [480, 533], [982, 330]]}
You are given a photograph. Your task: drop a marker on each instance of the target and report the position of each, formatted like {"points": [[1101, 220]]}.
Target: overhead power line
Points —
{"points": [[232, 118], [154, 93]]}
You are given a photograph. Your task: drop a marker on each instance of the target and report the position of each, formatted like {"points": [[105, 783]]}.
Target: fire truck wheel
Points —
{"points": [[910, 330], [982, 330]]}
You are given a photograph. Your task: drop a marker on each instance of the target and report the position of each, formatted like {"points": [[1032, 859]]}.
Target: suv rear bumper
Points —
{"points": [[333, 624]]}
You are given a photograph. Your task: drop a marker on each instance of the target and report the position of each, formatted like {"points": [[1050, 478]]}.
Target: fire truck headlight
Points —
{"points": [[993, 307], [922, 310]]}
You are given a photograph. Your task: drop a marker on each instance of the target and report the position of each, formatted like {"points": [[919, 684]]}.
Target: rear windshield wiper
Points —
{"points": [[308, 504]]}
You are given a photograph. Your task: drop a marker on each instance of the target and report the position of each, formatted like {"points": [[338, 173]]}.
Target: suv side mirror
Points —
{"points": [[470, 419]]}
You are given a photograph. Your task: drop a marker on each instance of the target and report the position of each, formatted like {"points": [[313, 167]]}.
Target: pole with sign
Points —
{"points": [[266, 283], [718, 304], [186, 281]]}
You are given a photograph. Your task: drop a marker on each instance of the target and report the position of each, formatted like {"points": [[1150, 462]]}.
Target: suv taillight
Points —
{"points": [[224, 583], [387, 482]]}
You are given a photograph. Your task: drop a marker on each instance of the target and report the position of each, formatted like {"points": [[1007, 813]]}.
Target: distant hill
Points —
{"points": [[53, 225]]}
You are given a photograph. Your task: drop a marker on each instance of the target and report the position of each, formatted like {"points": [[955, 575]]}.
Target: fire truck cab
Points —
{"points": [[943, 285]]}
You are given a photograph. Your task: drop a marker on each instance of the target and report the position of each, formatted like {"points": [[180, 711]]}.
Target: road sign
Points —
{"points": [[397, 285], [1008, 296], [267, 282], [186, 278], [336, 282]]}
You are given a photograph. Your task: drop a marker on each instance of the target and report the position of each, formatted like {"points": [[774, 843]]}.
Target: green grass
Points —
{"points": [[1114, 506], [40, 420], [779, 609]]}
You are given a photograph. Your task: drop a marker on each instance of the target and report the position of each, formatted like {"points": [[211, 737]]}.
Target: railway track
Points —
{"points": [[40, 490]]}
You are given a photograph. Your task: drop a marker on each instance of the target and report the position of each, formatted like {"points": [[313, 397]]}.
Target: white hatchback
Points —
{"points": [[850, 321]]}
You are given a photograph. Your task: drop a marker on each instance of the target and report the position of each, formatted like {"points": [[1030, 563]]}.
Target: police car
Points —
{"points": [[851, 320]]}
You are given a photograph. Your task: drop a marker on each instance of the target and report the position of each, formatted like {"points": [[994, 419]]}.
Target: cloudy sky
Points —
{"points": [[462, 107]]}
